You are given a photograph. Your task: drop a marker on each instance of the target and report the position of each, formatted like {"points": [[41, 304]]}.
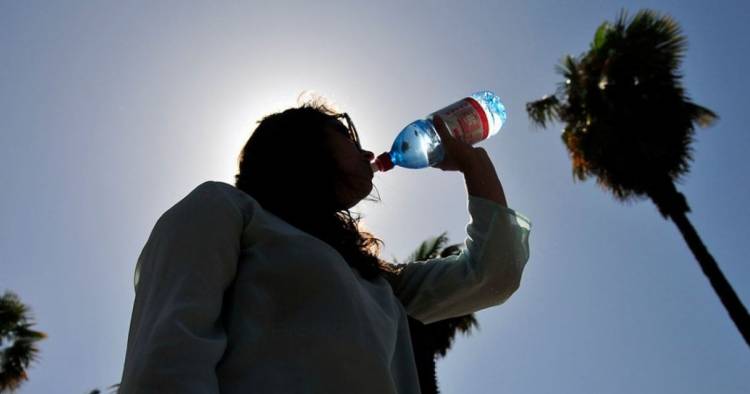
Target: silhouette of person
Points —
{"points": [[272, 286]]}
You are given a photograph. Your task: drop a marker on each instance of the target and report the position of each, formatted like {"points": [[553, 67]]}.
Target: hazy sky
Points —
{"points": [[110, 113]]}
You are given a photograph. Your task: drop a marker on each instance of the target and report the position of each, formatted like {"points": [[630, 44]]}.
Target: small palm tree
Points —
{"points": [[17, 342], [629, 123], [430, 341], [112, 389]]}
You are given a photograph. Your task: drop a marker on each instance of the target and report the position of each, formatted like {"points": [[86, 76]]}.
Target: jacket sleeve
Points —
{"points": [[176, 335], [486, 273]]}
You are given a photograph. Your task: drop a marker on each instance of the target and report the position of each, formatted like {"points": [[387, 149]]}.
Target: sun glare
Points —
{"points": [[240, 118]]}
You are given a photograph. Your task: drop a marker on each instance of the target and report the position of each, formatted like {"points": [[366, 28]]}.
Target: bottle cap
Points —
{"points": [[383, 162]]}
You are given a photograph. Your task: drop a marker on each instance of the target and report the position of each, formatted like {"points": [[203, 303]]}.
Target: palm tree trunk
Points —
{"points": [[720, 284], [424, 356], [673, 204]]}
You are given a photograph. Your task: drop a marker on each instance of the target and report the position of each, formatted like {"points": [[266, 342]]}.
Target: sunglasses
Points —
{"points": [[350, 126]]}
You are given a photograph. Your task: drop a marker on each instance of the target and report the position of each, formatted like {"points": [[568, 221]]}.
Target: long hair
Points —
{"points": [[289, 169]]}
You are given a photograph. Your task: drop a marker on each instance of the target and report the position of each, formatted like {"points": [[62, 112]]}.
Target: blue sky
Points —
{"points": [[110, 113]]}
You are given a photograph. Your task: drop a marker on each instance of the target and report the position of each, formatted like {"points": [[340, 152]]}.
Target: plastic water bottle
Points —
{"points": [[472, 119]]}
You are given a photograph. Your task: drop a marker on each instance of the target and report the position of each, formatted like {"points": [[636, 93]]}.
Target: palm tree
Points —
{"points": [[430, 341], [17, 342], [112, 389], [629, 123]]}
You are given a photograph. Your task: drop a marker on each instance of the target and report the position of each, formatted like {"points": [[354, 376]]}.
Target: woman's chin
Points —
{"points": [[356, 193]]}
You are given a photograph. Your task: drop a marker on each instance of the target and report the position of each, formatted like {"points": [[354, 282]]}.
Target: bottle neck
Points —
{"points": [[382, 163]]}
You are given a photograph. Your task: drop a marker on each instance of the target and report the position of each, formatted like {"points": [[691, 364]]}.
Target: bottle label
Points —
{"points": [[466, 120]]}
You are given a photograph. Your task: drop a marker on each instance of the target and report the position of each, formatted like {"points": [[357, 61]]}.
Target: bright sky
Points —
{"points": [[110, 113]]}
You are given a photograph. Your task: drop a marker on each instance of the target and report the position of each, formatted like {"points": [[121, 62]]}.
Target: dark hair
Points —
{"points": [[284, 159]]}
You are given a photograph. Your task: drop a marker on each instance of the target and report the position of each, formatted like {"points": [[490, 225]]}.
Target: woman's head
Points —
{"points": [[304, 158], [305, 165]]}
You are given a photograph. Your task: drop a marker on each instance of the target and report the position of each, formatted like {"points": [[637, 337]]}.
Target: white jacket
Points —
{"points": [[232, 299]]}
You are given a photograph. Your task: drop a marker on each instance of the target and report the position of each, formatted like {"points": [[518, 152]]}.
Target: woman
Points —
{"points": [[269, 286]]}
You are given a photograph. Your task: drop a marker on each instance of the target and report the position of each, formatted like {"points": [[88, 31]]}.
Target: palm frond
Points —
{"points": [[568, 68], [452, 250], [111, 389], [703, 116], [15, 328], [429, 248], [544, 111], [601, 36], [448, 330], [660, 32], [12, 310]]}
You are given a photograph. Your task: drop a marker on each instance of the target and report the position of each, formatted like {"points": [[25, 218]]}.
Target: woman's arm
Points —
{"points": [[489, 270], [176, 335], [481, 178], [486, 273]]}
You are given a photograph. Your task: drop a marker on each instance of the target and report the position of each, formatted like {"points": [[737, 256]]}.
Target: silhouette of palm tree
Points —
{"points": [[430, 341], [629, 123], [17, 341], [112, 389]]}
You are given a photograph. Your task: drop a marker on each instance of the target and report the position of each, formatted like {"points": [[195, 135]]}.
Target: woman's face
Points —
{"points": [[354, 174]]}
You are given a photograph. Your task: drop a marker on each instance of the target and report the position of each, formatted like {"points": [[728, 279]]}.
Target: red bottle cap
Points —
{"points": [[383, 161]]}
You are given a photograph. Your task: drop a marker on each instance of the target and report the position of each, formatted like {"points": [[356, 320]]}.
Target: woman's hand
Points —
{"points": [[476, 165], [459, 156]]}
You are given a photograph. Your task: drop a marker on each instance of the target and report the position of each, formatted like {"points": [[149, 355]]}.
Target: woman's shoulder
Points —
{"points": [[230, 191], [213, 199], [217, 190]]}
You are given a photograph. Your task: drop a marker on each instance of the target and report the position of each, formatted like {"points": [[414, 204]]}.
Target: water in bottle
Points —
{"points": [[472, 119]]}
